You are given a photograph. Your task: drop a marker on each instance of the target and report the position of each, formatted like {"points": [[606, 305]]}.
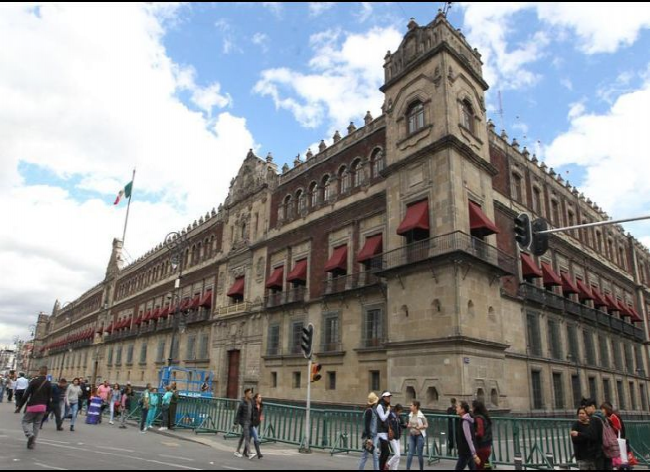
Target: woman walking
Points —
{"points": [[483, 433], [73, 396], [417, 435], [369, 435], [466, 439], [583, 445], [115, 402], [154, 401], [144, 408]]}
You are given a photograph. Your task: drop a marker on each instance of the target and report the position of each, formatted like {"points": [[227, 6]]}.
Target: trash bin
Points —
{"points": [[94, 410]]}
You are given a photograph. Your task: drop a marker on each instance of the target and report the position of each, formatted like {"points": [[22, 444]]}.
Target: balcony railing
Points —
{"points": [[457, 242], [198, 316], [234, 309], [350, 282], [283, 298], [573, 307]]}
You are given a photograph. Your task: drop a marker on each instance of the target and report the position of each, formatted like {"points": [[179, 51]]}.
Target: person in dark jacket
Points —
{"points": [[36, 397], [397, 425], [466, 440], [596, 421], [58, 402], [173, 405], [483, 429], [583, 447], [383, 412], [452, 426], [244, 419]]}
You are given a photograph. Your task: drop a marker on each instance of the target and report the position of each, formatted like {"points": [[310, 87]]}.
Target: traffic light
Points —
{"points": [[306, 340], [315, 375], [523, 231], [539, 244]]}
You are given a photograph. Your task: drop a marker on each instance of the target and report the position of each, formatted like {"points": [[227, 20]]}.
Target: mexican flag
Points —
{"points": [[125, 192]]}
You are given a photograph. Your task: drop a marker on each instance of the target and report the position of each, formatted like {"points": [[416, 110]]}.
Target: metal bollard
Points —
{"points": [[519, 463]]}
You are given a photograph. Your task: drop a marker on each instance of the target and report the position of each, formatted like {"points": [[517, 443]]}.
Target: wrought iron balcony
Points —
{"points": [[350, 282], [446, 245], [198, 316], [294, 295]]}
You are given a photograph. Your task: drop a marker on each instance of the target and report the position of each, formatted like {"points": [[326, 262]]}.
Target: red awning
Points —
{"points": [[599, 299], [165, 312], [568, 285], [417, 217], [206, 300], [636, 318], [100, 330], [479, 223], [584, 292], [529, 267], [194, 304], [622, 308], [299, 272], [372, 248], [275, 280], [339, 260], [138, 320], [109, 329], [155, 314], [237, 289], [147, 316], [611, 303], [185, 304], [550, 277]]}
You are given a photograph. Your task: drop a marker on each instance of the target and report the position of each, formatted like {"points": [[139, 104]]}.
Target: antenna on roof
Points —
{"points": [[446, 8]]}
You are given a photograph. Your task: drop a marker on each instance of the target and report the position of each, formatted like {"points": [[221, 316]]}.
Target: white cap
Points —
{"points": [[386, 394]]}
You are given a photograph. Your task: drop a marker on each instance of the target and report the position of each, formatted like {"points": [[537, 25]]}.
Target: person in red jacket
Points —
{"points": [[483, 433]]}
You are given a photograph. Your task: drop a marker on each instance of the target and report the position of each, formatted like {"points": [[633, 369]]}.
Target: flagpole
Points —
{"points": [[128, 207]]}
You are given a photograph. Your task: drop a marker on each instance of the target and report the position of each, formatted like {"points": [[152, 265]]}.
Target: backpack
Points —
{"points": [[610, 441]]}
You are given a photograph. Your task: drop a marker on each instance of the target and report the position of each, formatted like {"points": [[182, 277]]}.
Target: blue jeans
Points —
{"points": [[375, 457], [2, 393], [464, 461], [416, 444], [74, 409]]}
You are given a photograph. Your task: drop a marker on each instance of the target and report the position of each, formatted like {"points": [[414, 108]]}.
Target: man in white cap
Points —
{"points": [[383, 411]]}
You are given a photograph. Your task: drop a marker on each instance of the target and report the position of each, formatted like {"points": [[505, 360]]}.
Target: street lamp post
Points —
{"points": [[176, 244]]}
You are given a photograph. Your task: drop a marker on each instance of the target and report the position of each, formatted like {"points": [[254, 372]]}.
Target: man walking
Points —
{"points": [[58, 402], [21, 386], [36, 396], [104, 392], [173, 405], [452, 426], [244, 419]]}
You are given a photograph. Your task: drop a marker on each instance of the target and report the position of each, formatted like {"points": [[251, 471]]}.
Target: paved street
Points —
{"points": [[107, 447]]}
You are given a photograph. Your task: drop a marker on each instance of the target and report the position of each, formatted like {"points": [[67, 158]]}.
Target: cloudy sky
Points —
{"points": [[182, 91]]}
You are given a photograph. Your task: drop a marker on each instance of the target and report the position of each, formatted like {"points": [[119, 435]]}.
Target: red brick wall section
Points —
{"points": [[501, 181], [318, 232], [506, 243]]}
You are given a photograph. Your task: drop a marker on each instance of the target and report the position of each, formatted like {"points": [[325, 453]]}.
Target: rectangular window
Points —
{"points": [[618, 356], [110, 356], [331, 381], [590, 351], [118, 356], [629, 360], [160, 355], [534, 338], [86, 359], [175, 350], [633, 396], [203, 347], [607, 391], [555, 206], [644, 398], [593, 390], [604, 352], [577, 390], [554, 340], [143, 353], [572, 338], [638, 355], [296, 336], [129, 354], [273, 347], [558, 391], [331, 333], [373, 331], [375, 380], [621, 395], [190, 352], [296, 380], [538, 398]]}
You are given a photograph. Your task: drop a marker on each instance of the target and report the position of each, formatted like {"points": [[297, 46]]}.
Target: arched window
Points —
{"points": [[537, 201], [356, 173], [327, 189], [313, 194], [467, 115], [300, 203], [288, 210], [415, 117], [410, 394], [344, 180], [494, 397], [621, 257], [517, 187], [376, 163], [244, 231], [432, 395]]}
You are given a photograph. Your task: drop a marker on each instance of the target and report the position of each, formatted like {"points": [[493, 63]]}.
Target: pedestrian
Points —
{"points": [[58, 402], [115, 402], [417, 426], [154, 401], [85, 395], [72, 398], [11, 386], [173, 406], [383, 410], [256, 421], [452, 427], [3, 386], [21, 386], [466, 440], [397, 425], [244, 419], [369, 435], [104, 392], [127, 396], [483, 434], [144, 408], [36, 397], [166, 401], [583, 447], [616, 422], [598, 422]]}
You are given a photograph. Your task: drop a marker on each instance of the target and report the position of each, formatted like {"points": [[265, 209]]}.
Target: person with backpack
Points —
{"points": [[603, 435], [396, 425], [583, 447], [37, 396], [483, 424], [369, 435], [466, 439]]}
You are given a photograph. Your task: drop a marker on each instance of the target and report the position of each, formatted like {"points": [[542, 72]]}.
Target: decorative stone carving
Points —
{"points": [[309, 154], [322, 146], [368, 118], [337, 137], [269, 158], [351, 128]]}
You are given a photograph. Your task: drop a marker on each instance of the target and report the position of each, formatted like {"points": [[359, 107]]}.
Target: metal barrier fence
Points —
{"points": [[538, 443]]}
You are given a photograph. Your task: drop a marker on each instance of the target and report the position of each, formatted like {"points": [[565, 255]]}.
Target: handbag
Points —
{"points": [[622, 445], [369, 446]]}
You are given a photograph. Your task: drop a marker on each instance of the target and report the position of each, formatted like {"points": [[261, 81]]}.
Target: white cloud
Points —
{"points": [[318, 8], [366, 12], [261, 40], [610, 149], [229, 45], [576, 109], [274, 7], [84, 99], [342, 82]]}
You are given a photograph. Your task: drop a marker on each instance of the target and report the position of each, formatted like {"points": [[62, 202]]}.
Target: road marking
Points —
{"points": [[38, 464], [113, 449], [177, 458], [231, 468], [173, 465]]}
